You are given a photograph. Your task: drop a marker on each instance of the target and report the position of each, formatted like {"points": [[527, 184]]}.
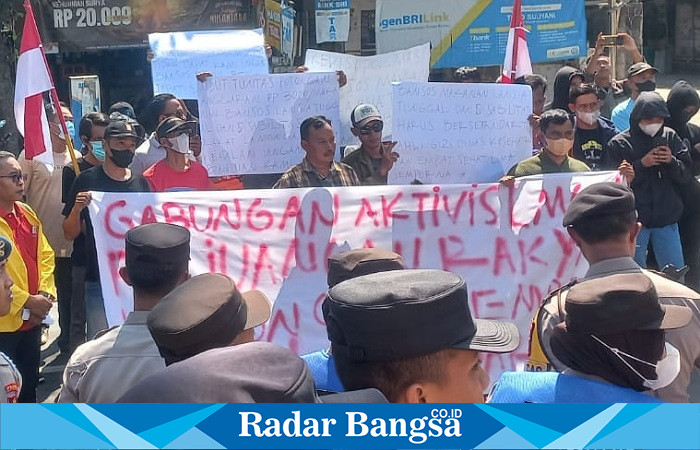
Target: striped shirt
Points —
{"points": [[305, 175]]}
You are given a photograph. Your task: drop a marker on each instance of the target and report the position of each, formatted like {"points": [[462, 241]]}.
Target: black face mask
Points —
{"points": [[122, 158], [647, 86]]}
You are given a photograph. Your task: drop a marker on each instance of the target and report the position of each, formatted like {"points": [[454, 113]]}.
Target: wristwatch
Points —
{"points": [[48, 296]]}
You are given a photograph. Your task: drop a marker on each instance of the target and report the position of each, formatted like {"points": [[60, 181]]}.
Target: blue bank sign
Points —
{"points": [[475, 32]]}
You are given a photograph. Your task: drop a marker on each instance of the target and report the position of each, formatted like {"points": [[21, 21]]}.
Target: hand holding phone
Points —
{"points": [[613, 40]]}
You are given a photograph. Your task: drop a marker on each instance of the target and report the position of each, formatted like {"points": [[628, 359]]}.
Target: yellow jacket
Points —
{"points": [[18, 271]]}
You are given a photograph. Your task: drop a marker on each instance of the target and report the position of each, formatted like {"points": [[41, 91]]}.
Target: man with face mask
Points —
{"points": [[113, 175], [557, 133], [593, 132], [662, 168], [602, 221], [150, 151], [42, 190], [683, 103], [176, 172], [92, 130], [641, 77]]}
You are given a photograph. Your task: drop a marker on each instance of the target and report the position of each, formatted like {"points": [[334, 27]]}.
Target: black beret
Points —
{"points": [[5, 248], [408, 313], [157, 245], [600, 199], [362, 261], [257, 372], [205, 312], [619, 303]]}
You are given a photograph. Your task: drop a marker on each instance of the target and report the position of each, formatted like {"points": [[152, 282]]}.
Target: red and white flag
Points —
{"points": [[33, 80], [517, 62]]}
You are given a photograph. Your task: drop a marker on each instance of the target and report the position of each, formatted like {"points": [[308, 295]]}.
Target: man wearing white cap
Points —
{"points": [[373, 160]]}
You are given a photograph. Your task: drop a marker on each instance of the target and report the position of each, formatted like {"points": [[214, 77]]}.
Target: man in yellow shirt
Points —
{"points": [[31, 268]]}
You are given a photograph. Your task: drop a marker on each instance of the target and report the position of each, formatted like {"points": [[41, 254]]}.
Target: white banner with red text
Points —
{"points": [[508, 244]]}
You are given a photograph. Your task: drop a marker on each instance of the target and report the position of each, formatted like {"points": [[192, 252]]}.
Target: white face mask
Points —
{"points": [[651, 129], [667, 369], [181, 144], [588, 117]]}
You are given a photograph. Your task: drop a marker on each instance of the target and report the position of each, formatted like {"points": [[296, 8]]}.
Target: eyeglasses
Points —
{"points": [[16, 177], [377, 128]]}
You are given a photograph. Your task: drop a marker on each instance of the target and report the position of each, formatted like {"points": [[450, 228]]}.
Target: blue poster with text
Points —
{"points": [[475, 32]]}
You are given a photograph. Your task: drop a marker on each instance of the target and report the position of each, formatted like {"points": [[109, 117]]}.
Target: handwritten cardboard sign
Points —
{"points": [[459, 132], [369, 80], [179, 57], [250, 123]]}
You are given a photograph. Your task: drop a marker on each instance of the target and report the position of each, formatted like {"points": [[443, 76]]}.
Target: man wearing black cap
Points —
{"points": [[341, 267], [101, 370], [205, 312], [410, 334], [641, 77], [613, 346], [661, 163], [10, 377], [602, 221], [177, 172], [256, 372], [113, 175]]}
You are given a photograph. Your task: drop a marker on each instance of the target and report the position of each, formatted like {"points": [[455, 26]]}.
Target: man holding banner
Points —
{"points": [[557, 133], [113, 175], [318, 169]]}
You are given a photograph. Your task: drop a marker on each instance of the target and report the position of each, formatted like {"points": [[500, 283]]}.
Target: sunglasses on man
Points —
{"points": [[367, 129]]}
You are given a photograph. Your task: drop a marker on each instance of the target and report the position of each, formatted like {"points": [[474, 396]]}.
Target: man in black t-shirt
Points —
{"points": [[92, 130], [593, 132], [119, 143]]}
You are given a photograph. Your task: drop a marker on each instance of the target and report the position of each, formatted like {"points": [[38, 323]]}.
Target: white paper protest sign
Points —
{"points": [[454, 132], [180, 56], [507, 243], [250, 123], [369, 80]]}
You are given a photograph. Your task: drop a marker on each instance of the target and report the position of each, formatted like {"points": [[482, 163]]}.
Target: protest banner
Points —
{"points": [[475, 32], [250, 123], [454, 132], [332, 20], [508, 244], [179, 57], [369, 81]]}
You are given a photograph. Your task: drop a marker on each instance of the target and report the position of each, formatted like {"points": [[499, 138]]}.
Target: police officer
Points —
{"points": [[10, 378], [205, 312], [101, 370], [602, 221]]}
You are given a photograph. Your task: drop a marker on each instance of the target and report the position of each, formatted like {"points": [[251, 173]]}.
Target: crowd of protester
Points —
{"points": [[621, 334]]}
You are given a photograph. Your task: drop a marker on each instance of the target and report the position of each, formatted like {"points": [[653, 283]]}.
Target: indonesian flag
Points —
{"points": [[517, 62], [33, 79]]}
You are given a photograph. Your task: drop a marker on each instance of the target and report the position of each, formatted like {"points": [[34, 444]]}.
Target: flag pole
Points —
{"points": [[515, 21], [53, 93]]}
